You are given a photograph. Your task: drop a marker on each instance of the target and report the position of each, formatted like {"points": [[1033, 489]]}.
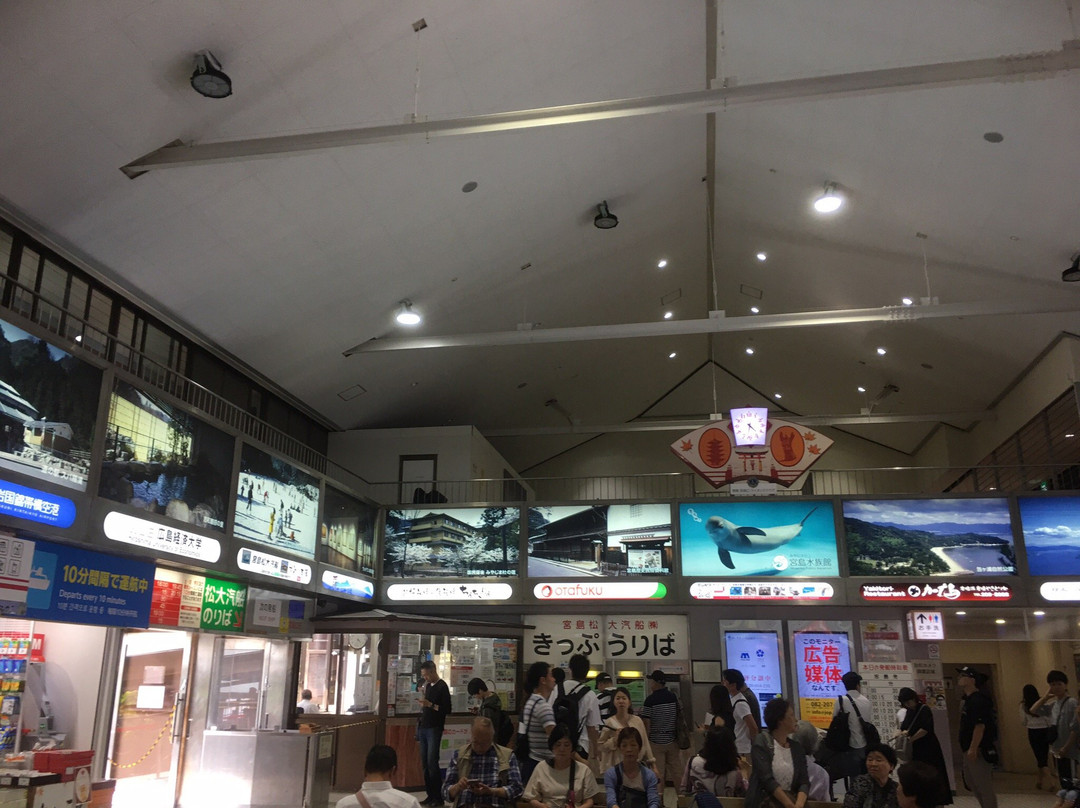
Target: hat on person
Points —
{"points": [[603, 677], [967, 670], [658, 677], [906, 694]]}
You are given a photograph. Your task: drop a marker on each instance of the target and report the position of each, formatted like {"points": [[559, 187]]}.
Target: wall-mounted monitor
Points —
{"points": [[820, 659], [1051, 528], [162, 460], [276, 503], [921, 537], [347, 535], [599, 540], [795, 538], [755, 654], [48, 406], [435, 542]]}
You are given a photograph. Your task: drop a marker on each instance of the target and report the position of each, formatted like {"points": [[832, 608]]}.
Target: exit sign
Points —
{"points": [[926, 626]]}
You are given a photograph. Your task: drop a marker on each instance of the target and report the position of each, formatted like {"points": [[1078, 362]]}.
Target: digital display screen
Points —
{"points": [[1051, 528], [434, 542], [599, 540], [276, 503], [162, 460], [755, 654], [794, 538], [821, 659], [48, 406], [923, 537], [347, 536]]}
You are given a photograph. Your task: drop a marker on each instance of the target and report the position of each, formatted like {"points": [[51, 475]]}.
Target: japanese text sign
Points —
{"points": [[193, 601], [820, 661], [615, 637], [37, 506]]}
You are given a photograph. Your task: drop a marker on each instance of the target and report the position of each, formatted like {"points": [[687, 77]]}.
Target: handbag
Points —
{"points": [[521, 743], [682, 732], [902, 743], [630, 797]]}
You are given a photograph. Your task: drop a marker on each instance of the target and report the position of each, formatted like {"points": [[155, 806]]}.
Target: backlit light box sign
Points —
{"points": [[160, 538], [276, 504], [347, 585], [447, 591], [926, 626], [756, 655], [347, 537], [1060, 590], [600, 590], [185, 600], [272, 566], [756, 590], [930, 592], [568, 541], [36, 506], [435, 542], [1051, 528], [821, 659], [929, 537], [794, 538]]}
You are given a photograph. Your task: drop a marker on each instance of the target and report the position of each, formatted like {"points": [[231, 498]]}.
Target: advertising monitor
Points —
{"points": [[437, 542], [599, 540], [276, 503]]}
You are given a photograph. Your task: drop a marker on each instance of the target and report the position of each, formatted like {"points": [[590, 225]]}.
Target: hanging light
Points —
{"points": [[605, 219], [208, 78], [407, 315], [1072, 274], [830, 201]]}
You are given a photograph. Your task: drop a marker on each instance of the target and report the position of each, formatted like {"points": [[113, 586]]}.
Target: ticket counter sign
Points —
{"points": [[182, 600], [821, 659]]}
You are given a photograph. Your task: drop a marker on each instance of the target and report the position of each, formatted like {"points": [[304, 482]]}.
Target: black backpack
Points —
{"points": [[504, 730], [567, 708]]}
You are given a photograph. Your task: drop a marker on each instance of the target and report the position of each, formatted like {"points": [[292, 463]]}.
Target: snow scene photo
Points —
{"points": [[276, 504], [452, 542]]}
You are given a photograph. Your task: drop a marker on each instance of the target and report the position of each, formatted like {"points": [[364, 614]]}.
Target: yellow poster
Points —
{"points": [[817, 711]]}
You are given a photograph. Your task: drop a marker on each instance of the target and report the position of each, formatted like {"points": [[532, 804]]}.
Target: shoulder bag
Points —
{"points": [[521, 745]]}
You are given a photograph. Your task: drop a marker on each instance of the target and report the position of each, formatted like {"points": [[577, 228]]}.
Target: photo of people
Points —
{"points": [[570, 541], [920, 537], [1051, 527], [347, 535], [48, 406], [276, 503], [160, 459], [451, 542]]}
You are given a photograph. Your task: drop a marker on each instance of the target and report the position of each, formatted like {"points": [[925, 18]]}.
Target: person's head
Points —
{"points": [[380, 763], [807, 736], [970, 679], [429, 671], [628, 742], [1058, 682], [622, 699], [779, 715], [477, 687], [482, 734], [538, 678], [719, 701], [579, 667], [305, 695], [908, 698], [880, 761], [603, 680], [719, 751], [1031, 695], [561, 744], [851, 680], [920, 785], [559, 675], [733, 680], [657, 680]]}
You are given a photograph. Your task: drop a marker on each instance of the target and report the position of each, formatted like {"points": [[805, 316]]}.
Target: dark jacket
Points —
{"points": [[762, 782]]}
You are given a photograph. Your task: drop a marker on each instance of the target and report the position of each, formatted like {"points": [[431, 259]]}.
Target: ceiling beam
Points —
{"points": [[941, 74], [719, 323]]}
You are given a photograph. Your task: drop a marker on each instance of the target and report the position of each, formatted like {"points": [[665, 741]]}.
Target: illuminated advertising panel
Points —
{"points": [[794, 538], [347, 536], [437, 542], [821, 659], [599, 540], [276, 503], [929, 537], [756, 654], [1051, 528]]}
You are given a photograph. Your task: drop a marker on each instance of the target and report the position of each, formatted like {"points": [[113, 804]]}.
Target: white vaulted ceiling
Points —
{"points": [[288, 261]]}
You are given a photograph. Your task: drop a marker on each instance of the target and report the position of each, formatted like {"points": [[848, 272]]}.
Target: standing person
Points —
{"points": [[537, 718], [434, 707], [977, 734], [609, 735], [719, 713], [918, 725], [376, 791], [559, 675], [1039, 726], [778, 777], [876, 788], [659, 713], [587, 732], [744, 725], [605, 695], [1061, 707], [857, 706], [481, 773]]}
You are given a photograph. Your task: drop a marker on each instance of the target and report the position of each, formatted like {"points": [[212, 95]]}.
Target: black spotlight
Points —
{"points": [[1070, 275], [605, 219], [208, 78]]}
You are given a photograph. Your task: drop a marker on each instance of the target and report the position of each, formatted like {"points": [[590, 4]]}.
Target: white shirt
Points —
{"points": [[588, 712], [741, 709], [308, 706], [783, 768], [858, 739], [381, 795]]}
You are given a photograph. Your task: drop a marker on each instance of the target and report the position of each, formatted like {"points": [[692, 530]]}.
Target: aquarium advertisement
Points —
{"points": [[347, 535], [162, 460], [928, 537], [599, 540], [1051, 529], [787, 538], [434, 542], [48, 406], [276, 503]]}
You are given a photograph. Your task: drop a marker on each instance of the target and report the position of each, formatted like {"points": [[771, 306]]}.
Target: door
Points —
{"points": [[149, 715]]}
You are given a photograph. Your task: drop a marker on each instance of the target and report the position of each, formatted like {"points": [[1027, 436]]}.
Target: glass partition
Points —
{"points": [[342, 673], [238, 675]]}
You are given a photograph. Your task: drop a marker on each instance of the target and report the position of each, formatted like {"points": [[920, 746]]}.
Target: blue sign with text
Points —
{"points": [[37, 506]]}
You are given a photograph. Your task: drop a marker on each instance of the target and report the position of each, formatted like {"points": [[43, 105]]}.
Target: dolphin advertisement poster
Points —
{"points": [[789, 539], [1051, 527]]}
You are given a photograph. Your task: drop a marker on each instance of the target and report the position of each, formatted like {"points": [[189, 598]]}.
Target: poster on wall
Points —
{"points": [[882, 640], [922, 537], [1051, 528], [434, 542], [347, 535], [756, 655], [794, 538], [162, 460], [48, 406], [276, 503], [599, 540], [821, 659]]}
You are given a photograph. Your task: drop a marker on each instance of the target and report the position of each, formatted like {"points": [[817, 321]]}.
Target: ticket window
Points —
{"points": [[342, 673]]}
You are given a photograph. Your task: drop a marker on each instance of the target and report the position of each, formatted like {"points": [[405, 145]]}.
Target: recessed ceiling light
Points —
{"points": [[830, 201], [78, 338], [993, 488], [1067, 434], [1039, 613], [750, 350], [881, 351], [777, 395], [672, 355], [469, 187], [754, 310], [862, 389], [668, 315], [960, 614], [1000, 621], [762, 256], [907, 301], [661, 263], [993, 137]]}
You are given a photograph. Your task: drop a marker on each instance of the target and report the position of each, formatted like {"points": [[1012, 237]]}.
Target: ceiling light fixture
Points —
{"points": [[960, 614], [1039, 613], [208, 78], [1072, 274], [830, 201], [777, 395], [762, 256], [750, 351], [881, 352], [754, 310], [672, 355], [605, 219], [406, 314], [907, 301], [1000, 621], [668, 315], [862, 389], [659, 264]]}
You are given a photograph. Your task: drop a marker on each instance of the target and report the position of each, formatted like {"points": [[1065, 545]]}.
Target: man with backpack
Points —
{"points": [[978, 731], [577, 707], [491, 708], [852, 761]]}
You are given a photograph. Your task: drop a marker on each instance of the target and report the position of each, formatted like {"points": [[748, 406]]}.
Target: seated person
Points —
{"points": [[562, 780], [306, 705], [481, 773], [809, 738], [715, 769], [379, 769], [630, 783]]}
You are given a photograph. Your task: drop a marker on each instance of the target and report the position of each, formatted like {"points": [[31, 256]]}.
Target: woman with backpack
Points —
{"points": [[630, 783]]}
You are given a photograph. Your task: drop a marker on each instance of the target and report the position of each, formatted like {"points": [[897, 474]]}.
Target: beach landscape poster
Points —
{"points": [[1051, 529], [434, 542], [276, 503], [929, 537], [791, 539]]}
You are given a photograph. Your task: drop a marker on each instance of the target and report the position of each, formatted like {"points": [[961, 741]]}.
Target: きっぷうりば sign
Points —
{"points": [[555, 638]]}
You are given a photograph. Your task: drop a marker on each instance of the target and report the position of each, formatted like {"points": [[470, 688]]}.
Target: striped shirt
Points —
{"points": [[539, 714], [660, 709]]}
